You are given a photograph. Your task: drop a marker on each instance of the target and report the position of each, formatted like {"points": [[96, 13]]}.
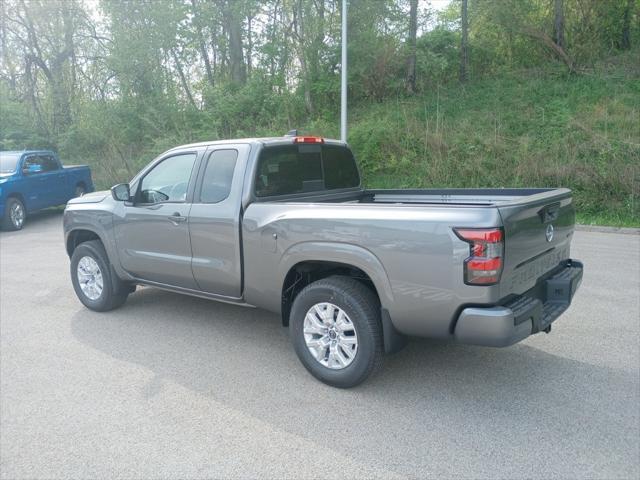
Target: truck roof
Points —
{"points": [[21, 152], [286, 140]]}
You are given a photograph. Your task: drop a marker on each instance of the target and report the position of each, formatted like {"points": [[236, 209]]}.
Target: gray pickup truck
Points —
{"points": [[284, 224]]}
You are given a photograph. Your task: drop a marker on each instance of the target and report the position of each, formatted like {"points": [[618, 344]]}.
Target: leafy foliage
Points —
{"points": [[113, 83]]}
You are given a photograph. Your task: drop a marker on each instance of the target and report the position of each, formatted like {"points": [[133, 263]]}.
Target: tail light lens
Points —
{"points": [[485, 261]]}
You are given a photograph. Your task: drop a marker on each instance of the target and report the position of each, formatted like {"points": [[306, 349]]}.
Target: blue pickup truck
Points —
{"points": [[31, 180]]}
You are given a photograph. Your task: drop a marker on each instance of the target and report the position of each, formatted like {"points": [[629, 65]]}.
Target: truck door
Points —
{"points": [[56, 178], [153, 234], [39, 186], [214, 221]]}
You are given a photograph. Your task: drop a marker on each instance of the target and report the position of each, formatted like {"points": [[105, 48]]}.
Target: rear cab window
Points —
{"points": [[304, 168], [218, 176], [49, 164]]}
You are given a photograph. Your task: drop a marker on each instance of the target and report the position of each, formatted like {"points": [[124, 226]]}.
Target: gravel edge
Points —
{"points": [[597, 228]]}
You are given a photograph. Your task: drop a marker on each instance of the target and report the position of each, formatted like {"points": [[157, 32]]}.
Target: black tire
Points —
{"points": [[363, 309], [8, 223], [114, 291]]}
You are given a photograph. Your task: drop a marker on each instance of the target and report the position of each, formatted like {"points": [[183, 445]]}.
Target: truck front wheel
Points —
{"points": [[336, 331], [93, 278]]}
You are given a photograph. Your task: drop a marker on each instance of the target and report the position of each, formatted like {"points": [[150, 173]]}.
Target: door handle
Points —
{"points": [[176, 218]]}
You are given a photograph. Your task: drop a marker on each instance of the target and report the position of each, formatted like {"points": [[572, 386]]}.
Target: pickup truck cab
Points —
{"points": [[284, 224], [35, 179]]}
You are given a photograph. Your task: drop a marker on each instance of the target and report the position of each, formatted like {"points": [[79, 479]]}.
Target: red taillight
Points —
{"points": [[493, 235], [308, 140], [484, 265]]}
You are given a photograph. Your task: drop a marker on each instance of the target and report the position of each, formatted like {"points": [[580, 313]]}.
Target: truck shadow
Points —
{"points": [[458, 394]]}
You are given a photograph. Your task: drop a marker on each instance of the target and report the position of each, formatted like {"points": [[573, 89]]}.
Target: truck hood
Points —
{"points": [[94, 197]]}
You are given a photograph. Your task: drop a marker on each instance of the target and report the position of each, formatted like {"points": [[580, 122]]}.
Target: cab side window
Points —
{"points": [[33, 165], [168, 180], [218, 175]]}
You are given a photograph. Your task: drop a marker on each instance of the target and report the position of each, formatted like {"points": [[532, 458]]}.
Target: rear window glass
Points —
{"points": [[340, 170], [290, 169]]}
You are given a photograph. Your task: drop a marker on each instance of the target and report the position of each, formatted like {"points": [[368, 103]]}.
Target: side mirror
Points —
{"points": [[121, 192]]}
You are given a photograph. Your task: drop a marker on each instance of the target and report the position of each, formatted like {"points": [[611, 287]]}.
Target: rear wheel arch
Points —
{"points": [[323, 259], [306, 272], [81, 185]]}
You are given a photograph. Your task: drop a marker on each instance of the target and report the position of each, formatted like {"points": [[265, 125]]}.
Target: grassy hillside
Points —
{"points": [[531, 128]]}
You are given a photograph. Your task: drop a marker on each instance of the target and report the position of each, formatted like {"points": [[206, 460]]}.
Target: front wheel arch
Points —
{"points": [[19, 197], [76, 237]]}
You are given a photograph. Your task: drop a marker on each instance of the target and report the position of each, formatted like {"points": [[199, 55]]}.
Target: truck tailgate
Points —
{"points": [[538, 231]]}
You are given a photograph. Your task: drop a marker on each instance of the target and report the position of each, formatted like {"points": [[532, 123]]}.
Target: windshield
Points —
{"points": [[8, 162]]}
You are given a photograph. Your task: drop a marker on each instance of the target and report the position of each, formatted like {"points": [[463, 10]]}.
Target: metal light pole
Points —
{"points": [[343, 86]]}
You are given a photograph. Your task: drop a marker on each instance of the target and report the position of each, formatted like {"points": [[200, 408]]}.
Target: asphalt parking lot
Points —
{"points": [[173, 386]]}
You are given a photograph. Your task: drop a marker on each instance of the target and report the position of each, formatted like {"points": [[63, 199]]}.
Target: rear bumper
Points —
{"points": [[519, 317]]}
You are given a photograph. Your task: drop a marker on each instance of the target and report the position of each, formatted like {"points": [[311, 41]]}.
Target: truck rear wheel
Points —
{"points": [[336, 331], [93, 279], [80, 190], [14, 214]]}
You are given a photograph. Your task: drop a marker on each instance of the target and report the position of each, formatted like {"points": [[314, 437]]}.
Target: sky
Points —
{"points": [[439, 4]]}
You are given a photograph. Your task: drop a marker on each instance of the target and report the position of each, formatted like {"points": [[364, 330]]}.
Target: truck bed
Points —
{"points": [[411, 232], [444, 196], [488, 196]]}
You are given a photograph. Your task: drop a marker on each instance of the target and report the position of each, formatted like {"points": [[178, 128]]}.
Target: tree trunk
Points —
{"points": [[249, 44], [236, 55], [464, 47], [318, 40], [410, 82], [31, 93], [273, 22], [54, 72], [183, 78], [558, 23], [60, 97], [299, 29], [6, 58], [201, 44], [553, 46], [625, 44]]}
